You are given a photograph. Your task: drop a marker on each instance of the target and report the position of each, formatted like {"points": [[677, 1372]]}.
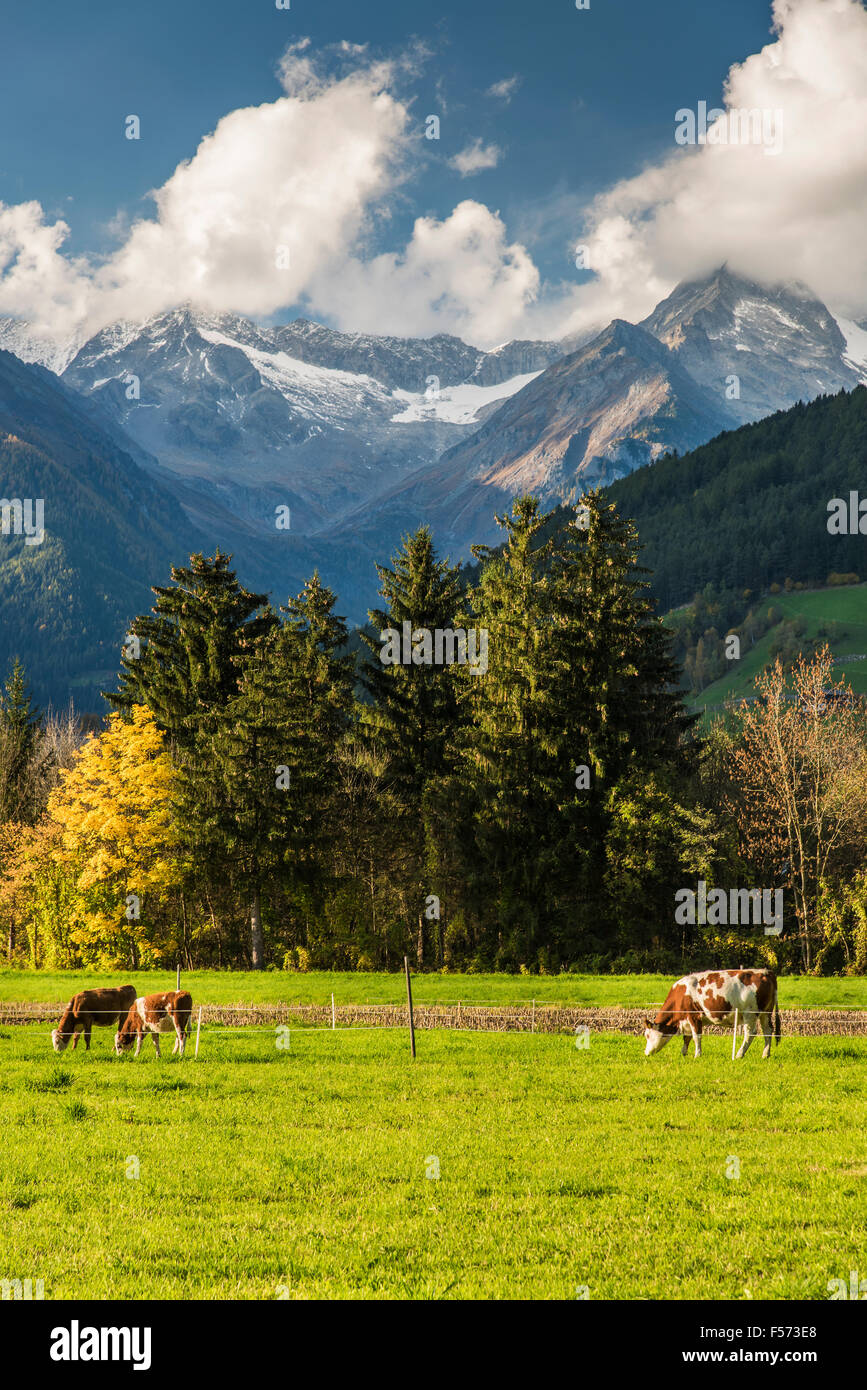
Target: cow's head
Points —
{"points": [[655, 1037], [64, 1031], [127, 1029]]}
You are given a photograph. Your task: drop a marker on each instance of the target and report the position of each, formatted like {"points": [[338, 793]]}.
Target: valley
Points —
{"points": [[363, 438]]}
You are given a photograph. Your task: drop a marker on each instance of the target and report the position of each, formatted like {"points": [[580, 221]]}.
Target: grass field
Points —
{"points": [[302, 1173], [844, 605], [316, 987]]}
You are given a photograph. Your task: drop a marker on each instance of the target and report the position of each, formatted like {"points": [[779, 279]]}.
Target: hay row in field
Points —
{"points": [[522, 1018]]}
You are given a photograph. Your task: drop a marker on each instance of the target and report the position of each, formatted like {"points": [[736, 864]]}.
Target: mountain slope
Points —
{"points": [[837, 616], [781, 343], [751, 508], [617, 403], [109, 533], [16, 336], [613, 406], [300, 416], [715, 354], [365, 437]]}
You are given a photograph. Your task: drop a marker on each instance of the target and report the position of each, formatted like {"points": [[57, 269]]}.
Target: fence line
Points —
{"points": [[849, 1021], [41, 1010]]}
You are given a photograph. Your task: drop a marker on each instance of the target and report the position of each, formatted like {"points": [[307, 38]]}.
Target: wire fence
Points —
{"points": [[524, 1017]]}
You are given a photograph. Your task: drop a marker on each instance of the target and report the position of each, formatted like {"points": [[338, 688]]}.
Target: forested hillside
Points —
{"points": [[109, 532], [520, 788], [750, 508]]}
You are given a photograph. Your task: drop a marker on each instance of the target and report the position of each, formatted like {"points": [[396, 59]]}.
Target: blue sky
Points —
{"points": [[597, 93], [591, 114]]}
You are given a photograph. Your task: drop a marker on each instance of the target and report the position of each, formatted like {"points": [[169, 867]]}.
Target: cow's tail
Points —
{"points": [[776, 1014]]}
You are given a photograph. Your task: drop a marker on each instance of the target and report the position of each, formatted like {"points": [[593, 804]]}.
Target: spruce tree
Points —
{"points": [[185, 662], [617, 686], [20, 726], [263, 761], [510, 762], [616, 691], [312, 701], [414, 711], [182, 659]]}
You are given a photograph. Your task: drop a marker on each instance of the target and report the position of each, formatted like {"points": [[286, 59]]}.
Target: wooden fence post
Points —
{"points": [[409, 1006], [333, 1016]]}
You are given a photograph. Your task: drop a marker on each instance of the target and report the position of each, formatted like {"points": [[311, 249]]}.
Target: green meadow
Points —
{"points": [[846, 605], [316, 987], [308, 1172]]}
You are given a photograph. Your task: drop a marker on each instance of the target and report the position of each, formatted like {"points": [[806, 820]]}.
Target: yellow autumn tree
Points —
{"points": [[799, 772], [37, 896], [114, 807]]}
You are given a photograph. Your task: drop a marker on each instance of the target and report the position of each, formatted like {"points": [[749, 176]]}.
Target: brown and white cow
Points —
{"points": [[102, 1007], [714, 995], [155, 1014]]}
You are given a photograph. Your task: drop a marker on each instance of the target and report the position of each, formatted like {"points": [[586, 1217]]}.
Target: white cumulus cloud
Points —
{"points": [[272, 195], [799, 214], [277, 204], [475, 157], [460, 275]]}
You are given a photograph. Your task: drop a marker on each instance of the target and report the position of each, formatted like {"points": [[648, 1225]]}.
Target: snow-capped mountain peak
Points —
{"points": [[378, 432], [296, 411], [18, 337], [855, 352], [758, 348]]}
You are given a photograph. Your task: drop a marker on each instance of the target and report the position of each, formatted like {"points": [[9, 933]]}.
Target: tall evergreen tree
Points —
{"points": [[185, 662], [616, 690], [182, 660], [231, 804], [261, 770], [20, 728], [580, 691], [617, 685], [511, 770], [312, 703], [414, 710]]}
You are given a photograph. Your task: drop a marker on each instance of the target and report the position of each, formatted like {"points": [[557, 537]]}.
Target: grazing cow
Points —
{"points": [[100, 1006], [155, 1014], [714, 995]]}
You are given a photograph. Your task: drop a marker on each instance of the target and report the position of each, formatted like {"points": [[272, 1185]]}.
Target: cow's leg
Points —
{"points": [[767, 1034], [138, 1042], [87, 1028], [695, 1025], [687, 1038], [74, 1039], [156, 1038], [750, 1031], [180, 1039]]}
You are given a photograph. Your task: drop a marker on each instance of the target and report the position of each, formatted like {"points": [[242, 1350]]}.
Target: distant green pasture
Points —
{"points": [[316, 987]]}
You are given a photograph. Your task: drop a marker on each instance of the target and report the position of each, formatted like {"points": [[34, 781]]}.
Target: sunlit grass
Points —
{"points": [[265, 1173], [316, 987]]}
